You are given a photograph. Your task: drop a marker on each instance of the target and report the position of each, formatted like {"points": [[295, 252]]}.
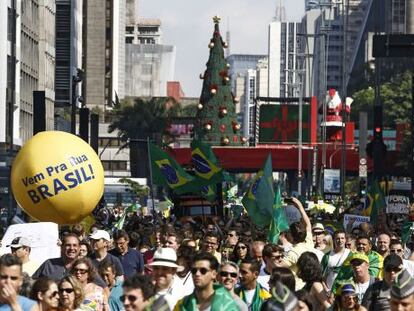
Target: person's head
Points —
{"points": [[121, 239], [79, 231], [396, 247], [402, 292], [185, 255], [172, 239], [272, 256], [360, 266], [283, 275], [10, 272], [346, 297], [249, 271], [164, 267], [20, 247], [228, 275], [84, 270], [84, 249], [309, 268], [318, 233], [363, 244], [392, 266], [256, 251], [70, 247], [108, 273], [383, 243], [71, 293], [304, 300], [241, 250], [339, 239], [210, 242], [350, 242], [100, 240], [232, 237], [282, 299], [298, 232], [45, 292], [138, 290], [190, 243], [204, 270]]}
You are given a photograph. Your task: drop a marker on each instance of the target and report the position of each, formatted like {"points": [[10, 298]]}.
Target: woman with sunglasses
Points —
{"points": [[241, 251], [45, 292], [346, 299], [85, 272], [71, 294], [228, 276]]}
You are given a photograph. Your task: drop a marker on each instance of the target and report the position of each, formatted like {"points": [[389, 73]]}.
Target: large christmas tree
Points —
{"points": [[216, 122]]}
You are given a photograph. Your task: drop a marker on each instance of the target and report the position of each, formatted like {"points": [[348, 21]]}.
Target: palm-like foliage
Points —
{"points": [[140, 119]]}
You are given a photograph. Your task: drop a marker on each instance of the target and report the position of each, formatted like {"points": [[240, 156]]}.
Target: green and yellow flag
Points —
{"points": [[258, 200], [205, 164], [375, 202], [279, 221], [167, 172]]}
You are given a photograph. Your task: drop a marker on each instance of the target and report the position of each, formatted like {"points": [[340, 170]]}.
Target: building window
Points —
{"points": [[109, 142], [114, 165]]}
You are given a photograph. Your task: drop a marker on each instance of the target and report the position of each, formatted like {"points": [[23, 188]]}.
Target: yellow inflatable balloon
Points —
{"points": [[57, 177]]}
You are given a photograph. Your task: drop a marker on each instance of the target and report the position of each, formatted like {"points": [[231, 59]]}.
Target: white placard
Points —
{"points": [[352, 221], [331, 181], [397, 204], [42, 235]]}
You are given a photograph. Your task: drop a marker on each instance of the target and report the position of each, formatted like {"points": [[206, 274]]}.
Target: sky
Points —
{"points": [[188, 25]]}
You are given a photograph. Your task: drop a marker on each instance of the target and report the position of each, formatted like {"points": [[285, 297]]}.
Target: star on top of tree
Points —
{"points": [[216, 19]]}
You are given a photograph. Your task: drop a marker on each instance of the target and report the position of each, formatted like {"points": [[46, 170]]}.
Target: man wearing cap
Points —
{"points": [[318, 234], [164, 271], [377, 296], [20, 247], [402, 292], [361, 277], [99, 242], [364, 245]]}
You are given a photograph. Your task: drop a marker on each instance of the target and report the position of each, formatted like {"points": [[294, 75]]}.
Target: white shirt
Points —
{"points": [[335, 260], [264, 278], [361, 288], [409, 266], [174, 293], [249, 295], [188, 284]]}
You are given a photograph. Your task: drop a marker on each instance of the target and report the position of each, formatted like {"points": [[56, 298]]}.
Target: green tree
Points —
{"points": [[139, 119], [216, 122]]}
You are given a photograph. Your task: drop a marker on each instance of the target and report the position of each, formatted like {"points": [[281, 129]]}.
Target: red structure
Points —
{"points": [[174, 90]]}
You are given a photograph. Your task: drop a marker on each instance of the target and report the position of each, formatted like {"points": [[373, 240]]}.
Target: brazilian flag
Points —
{"points": [[279, 221], [167, 172], [209, 192], [205, 164], [258, 200], [375, 202]]}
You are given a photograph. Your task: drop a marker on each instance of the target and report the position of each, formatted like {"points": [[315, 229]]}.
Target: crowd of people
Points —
{"points": [[188, 264]]}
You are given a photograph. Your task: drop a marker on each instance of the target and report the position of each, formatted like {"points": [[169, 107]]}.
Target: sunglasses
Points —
{"points": [[393, 269], [131, 298], [66, 290], [81, 271], [226, 274], [54, 294], [241, 247], [202, 270], [396, 250]]}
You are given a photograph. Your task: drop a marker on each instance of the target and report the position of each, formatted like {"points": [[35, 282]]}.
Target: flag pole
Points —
{"points": [[150, 179]]}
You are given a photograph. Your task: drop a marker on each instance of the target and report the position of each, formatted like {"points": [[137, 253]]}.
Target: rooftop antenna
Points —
{"points": [[280, 15]]}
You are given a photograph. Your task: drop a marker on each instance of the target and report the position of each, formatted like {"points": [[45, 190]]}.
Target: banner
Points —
{"points": [[331, 181], [353, 221], [397, 204]]}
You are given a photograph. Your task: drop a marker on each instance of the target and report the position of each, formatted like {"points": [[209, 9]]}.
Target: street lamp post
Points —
{"points": [[76, 78]]}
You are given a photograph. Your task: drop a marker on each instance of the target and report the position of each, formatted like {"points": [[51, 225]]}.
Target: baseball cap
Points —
{"points": [[100, 234], [359, 256], [345, 289], [19, 242], [403, 285]]}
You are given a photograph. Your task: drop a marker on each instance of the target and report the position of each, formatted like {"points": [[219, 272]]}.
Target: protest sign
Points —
{"points": [[353, 221], [43, 237], [57, 177], [397, 204]]}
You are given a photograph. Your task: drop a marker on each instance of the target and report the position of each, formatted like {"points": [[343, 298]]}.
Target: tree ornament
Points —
{"points": [[211, 45], [207, 126], [225, 45], [213, 91], [236, 100], [243, 139], [223, 111], [200, 106], [201, 76], [225, 140], [236, 127], [228, 66], [222, 128], [226, 79]]}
